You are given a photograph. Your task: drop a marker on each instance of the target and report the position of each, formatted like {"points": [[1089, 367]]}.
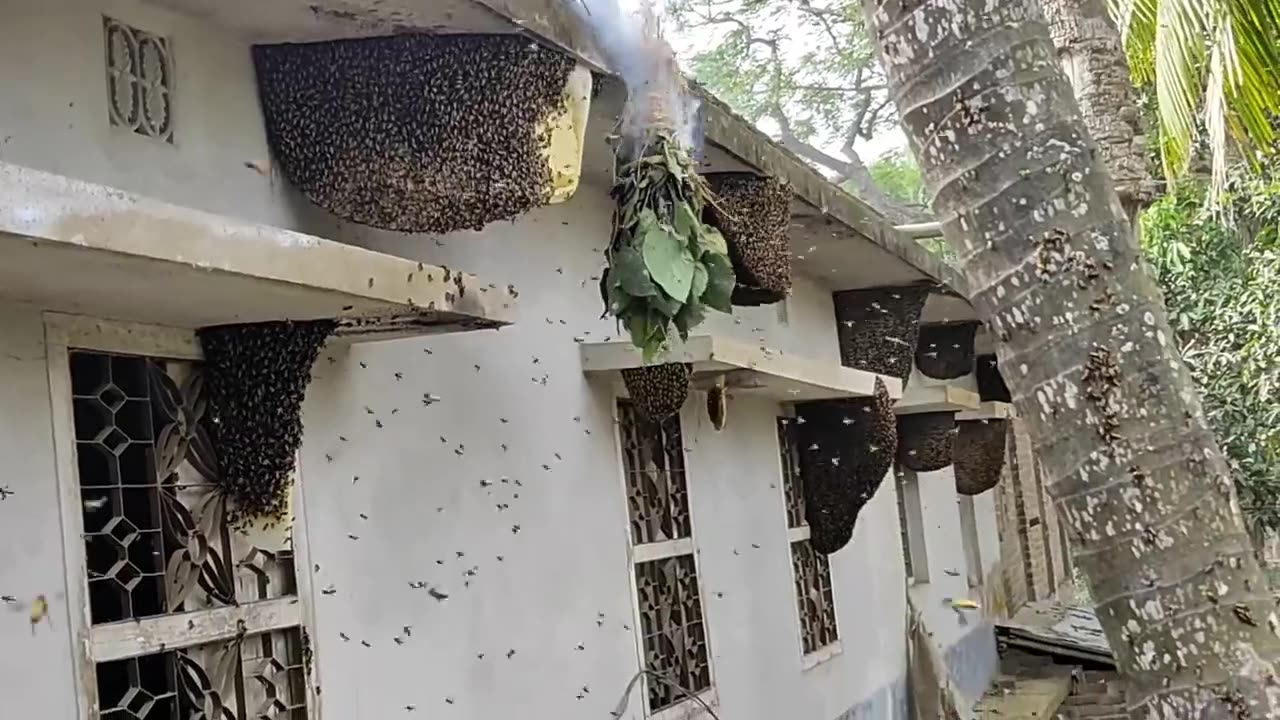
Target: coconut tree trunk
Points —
{"points": [[1094, 62], [1087, 351]]}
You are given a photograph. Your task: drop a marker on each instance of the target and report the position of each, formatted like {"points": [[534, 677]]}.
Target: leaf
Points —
{"points": [[711, 241], [165, 391], [668, 261], [720, 282], [665, 304], [202, 455], [689, 317], [619, 302], [687, 224], [630, 273], [700, 279]]}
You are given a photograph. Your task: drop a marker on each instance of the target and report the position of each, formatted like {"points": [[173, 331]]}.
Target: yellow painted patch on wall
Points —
{"points": [[568, 136]]}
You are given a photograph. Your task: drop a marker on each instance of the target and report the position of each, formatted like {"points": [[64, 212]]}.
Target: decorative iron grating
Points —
{"points": [[139, 80], [674, 637], [256, 677], [653, 462], [792, 480], [155, 526], [813, 593]]}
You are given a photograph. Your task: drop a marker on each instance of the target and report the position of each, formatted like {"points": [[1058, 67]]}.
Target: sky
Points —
{"points": [[688, 44]]}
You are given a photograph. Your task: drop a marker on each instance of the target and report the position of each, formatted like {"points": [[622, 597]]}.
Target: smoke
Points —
{"points": [[633, 45]]}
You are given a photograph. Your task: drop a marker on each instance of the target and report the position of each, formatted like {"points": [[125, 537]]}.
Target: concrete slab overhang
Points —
{"points": [[836, 238], [73, 246], [747, 368]]}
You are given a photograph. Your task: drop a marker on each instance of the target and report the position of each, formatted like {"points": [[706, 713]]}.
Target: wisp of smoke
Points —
{"points": [[634, 48]]}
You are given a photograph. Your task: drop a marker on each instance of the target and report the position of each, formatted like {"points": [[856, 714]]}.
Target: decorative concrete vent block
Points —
{"points": [[978, 454], [945, 350], [754, 213], [878, 327], [139, 80], [425, 133], [925, 440], [256, 376], [846, 447], [658, 391], [991, 385]]}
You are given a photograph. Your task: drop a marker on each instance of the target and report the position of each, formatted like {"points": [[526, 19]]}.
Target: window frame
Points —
{"points": [[800, 534], [65, 333], [648, 552]]}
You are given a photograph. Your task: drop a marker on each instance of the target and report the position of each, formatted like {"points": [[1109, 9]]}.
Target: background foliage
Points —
{"points": [[1219, 268]]}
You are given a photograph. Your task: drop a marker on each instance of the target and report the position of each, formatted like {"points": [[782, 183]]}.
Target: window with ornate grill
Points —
{"points": [[819, 634], [185, 613], [673, 634]]}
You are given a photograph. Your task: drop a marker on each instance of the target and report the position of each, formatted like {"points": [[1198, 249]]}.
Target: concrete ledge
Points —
{"points": [[747, 368], [989, 410], [938, 398], [79, 247]]}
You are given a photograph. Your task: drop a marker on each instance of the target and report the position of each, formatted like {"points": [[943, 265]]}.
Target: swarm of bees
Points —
{"points": [[754, 213], [978, 455], [414, 133], [256, 377], [658, 391], [878, 327], [945, 350], [925, 440], [990, 382], [846, 448]]}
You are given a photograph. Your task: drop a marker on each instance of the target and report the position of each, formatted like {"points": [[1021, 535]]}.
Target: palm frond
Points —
{"points": [[1214, 63]]}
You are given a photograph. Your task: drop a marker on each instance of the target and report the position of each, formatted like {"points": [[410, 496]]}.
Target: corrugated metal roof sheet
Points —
{"points": [[1059, 629]]}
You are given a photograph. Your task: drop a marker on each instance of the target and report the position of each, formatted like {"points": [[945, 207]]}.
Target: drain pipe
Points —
{"points": [[920, 230]]}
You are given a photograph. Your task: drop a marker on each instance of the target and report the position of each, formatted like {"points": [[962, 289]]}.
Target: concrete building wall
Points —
{"points": [[36, 663], [569, 561], [512, 404]]}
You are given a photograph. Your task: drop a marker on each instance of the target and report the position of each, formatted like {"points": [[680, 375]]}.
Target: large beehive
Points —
{"points": [[925, 440], [878, 328], [846, 448], [945, 350], [425, 133], [658, 391], [754, 213], [979, 453], [256, 377]]}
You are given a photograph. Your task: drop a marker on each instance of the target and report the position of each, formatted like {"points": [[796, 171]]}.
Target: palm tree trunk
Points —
{"points": [[1093, 59], [1087, 351]]}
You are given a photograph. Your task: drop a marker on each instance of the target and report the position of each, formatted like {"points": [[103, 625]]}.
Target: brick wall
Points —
{"points": [[1035, 562]]}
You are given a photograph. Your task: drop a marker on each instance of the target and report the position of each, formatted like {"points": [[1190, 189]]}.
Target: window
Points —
{"points": [[811, 570], [673, 634], [185, 616], [911, 525], [139, 80]]}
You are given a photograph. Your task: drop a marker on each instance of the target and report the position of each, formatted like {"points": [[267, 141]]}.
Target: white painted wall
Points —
{"points": [[569, 561], [420, 473], [35, 665]]}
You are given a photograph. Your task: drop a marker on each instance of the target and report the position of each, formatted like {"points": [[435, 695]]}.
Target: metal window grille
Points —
{"points": [[139, 80], [811, 570], [187, 616], [792, 482], [672, 627]]}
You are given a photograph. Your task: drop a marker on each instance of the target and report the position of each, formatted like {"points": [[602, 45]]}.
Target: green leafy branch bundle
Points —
{"points": [[666, 267]]}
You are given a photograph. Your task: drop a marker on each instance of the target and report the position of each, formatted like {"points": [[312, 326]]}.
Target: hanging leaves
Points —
{"points": [[665, 266]]}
